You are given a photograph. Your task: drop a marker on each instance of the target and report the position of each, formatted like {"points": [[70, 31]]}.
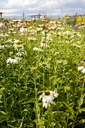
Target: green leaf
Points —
{"points": [[2, 116], [2, 112], [25, 52], [53, 124], [0, 97], [1, 102], [11, 126], [81, 121], [82, 110], [21, 125]]}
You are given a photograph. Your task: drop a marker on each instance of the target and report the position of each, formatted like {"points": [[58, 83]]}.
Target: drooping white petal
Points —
{"points": [[83, 71], [48, 97], [12, 60], [55, 94], [80, 68]]}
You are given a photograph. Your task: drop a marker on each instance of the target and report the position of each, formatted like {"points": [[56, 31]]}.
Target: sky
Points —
{"points": [[56, 8]]}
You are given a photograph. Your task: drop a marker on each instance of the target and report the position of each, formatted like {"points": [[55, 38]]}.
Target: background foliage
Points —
{"points": [[54, 66]]}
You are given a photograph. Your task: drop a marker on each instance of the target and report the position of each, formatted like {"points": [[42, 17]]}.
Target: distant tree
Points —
{"points": [[72, 20], [79, 19], [84, 19]]}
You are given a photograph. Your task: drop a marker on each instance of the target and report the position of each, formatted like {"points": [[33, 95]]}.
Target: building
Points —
{"points": [[39, 16]]}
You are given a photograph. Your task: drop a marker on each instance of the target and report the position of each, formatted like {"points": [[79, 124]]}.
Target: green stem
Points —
{"points": [[68, 110], [43, 76], [49, 118], [5, 106]]}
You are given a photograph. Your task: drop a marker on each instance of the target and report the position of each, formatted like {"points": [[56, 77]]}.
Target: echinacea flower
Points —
{"points": [[82, 69], [48, 97], [44, 65], [18, 46], [20, 53], [1, 24], [2, 46], [23, 30], [12, 60], [43, 44], [21, 23], [36, 49]]}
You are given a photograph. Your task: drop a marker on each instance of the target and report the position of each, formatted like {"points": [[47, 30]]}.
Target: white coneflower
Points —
{"points": [[82, 69], [19, 54], [1, 25], [12, 60], [39, 29], [9, 41], [49, 38], [67, 32], [1, 35], [36, 49], [6, 35], [43, 33], [32, 38], [16, 41], [22, 30], [59, 33], [32, 32], [18, 46], [44, 65], [2, 46], [48, 97], [43, 42]]}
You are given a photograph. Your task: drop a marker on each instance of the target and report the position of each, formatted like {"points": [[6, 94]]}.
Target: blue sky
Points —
{"points": [[49, 7]]}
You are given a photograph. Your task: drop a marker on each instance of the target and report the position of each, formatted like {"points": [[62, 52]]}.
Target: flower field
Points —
{"points": [[42, 74]]}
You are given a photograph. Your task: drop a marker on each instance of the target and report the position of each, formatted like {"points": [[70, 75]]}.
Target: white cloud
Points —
{"points": [[21, 3], [51, 7]]}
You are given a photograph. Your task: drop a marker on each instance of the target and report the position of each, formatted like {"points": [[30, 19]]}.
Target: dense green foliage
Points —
{"points": [[45, 55]]}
